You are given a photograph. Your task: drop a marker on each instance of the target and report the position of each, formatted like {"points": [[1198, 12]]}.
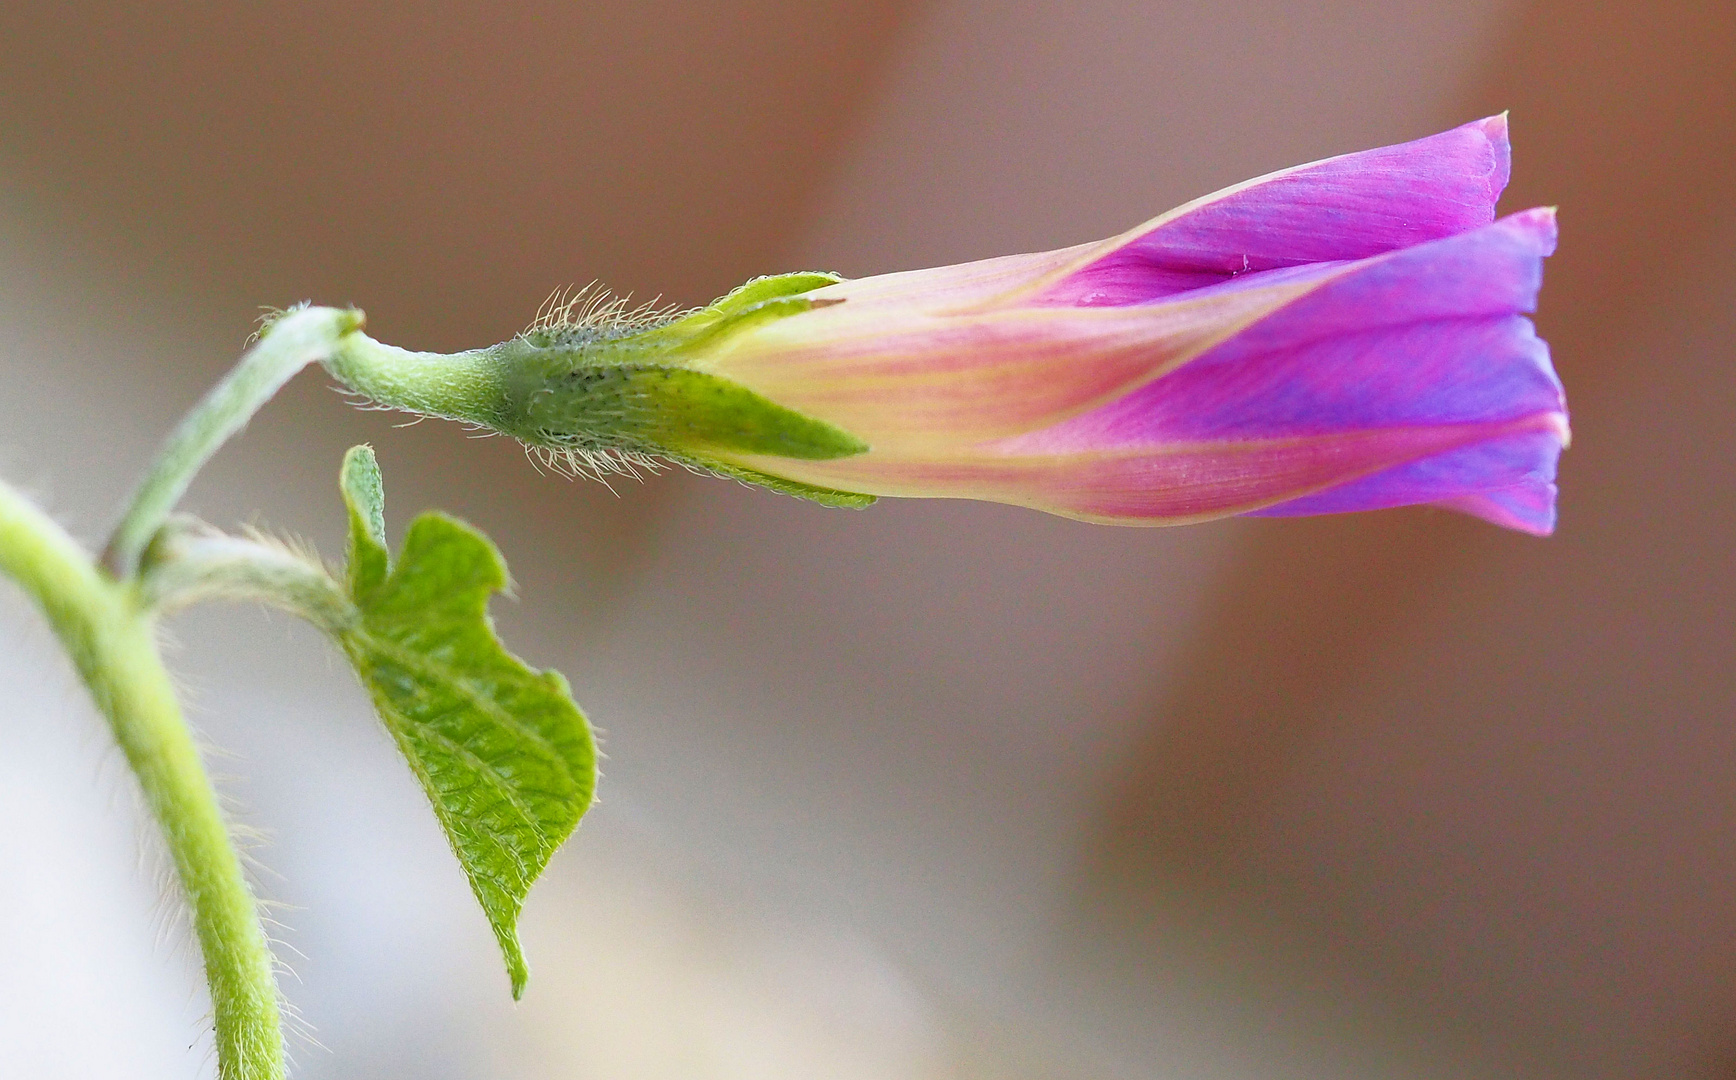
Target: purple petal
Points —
{"points": [[1494, 270], [1422, 336], [1508, 480], [1437, 372], [1348, 207], [1527, 507], [1405, 349]]}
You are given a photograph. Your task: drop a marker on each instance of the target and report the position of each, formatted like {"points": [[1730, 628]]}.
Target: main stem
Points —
{"points": [[110, 637]]}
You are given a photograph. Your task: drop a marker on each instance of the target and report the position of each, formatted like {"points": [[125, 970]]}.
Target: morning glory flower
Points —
{"points": [[1345, 335]]}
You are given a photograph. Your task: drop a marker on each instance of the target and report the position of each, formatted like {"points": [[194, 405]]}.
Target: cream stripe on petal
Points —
{"points": [[943, 289], [908, 381]]}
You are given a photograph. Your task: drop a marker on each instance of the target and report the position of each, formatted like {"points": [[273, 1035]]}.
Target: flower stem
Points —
{"points": [[108, 632], [464, 386], [289, 344]]}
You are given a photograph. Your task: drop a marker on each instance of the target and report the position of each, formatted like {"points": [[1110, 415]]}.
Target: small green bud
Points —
{"points": [[606, 388]]}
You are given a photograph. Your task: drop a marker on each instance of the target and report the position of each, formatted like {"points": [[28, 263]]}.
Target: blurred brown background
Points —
{"points": [[932, 790]]}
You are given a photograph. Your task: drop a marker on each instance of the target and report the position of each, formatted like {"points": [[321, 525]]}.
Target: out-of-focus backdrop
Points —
{"points": [[933, 790]]}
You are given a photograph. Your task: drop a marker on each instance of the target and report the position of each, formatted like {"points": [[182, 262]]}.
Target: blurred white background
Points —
{"points": [[930, 790]]}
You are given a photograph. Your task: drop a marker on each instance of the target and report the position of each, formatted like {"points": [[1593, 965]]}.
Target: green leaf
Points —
{"points": [[505, 757]]}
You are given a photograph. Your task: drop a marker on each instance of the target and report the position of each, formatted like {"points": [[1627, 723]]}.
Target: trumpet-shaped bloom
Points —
{"points": [[1344, 335]]}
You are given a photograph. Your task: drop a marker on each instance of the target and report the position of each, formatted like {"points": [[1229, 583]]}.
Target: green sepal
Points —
{"points": [[852, 500], [646, 391], [675, 411], [506, 758], [744, 300]]}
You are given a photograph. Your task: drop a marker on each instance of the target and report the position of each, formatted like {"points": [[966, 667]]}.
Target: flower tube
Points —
{"points": [[1345, 335]]}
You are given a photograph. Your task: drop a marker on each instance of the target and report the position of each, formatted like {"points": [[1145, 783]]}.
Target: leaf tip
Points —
{"points": [[516, 969]]}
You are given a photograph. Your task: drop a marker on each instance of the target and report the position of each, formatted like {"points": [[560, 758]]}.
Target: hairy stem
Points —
{"points": [[289, 344], [108, 632], [458, 386], [190, 562]]}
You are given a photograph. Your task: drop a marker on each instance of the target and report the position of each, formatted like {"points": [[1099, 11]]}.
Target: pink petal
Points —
{"points": [[1165, 485], [1508, 480]]}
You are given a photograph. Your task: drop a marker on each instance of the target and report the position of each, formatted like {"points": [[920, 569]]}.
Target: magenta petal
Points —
{"points": [[1494, 270], [1428, 335], [1428, 339], [1348, 207], [1437, 372], [1527, 507], [1508, 480]]}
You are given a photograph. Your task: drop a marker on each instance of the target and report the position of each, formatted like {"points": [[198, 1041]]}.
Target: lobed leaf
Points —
{"points": [[505, 756]]}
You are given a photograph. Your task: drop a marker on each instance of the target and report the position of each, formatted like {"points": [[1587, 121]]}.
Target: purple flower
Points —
{"points": [[1345, 335]]}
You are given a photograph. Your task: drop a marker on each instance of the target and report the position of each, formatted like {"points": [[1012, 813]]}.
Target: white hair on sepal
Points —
{"points": [[593, 309], [597, 464]]}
